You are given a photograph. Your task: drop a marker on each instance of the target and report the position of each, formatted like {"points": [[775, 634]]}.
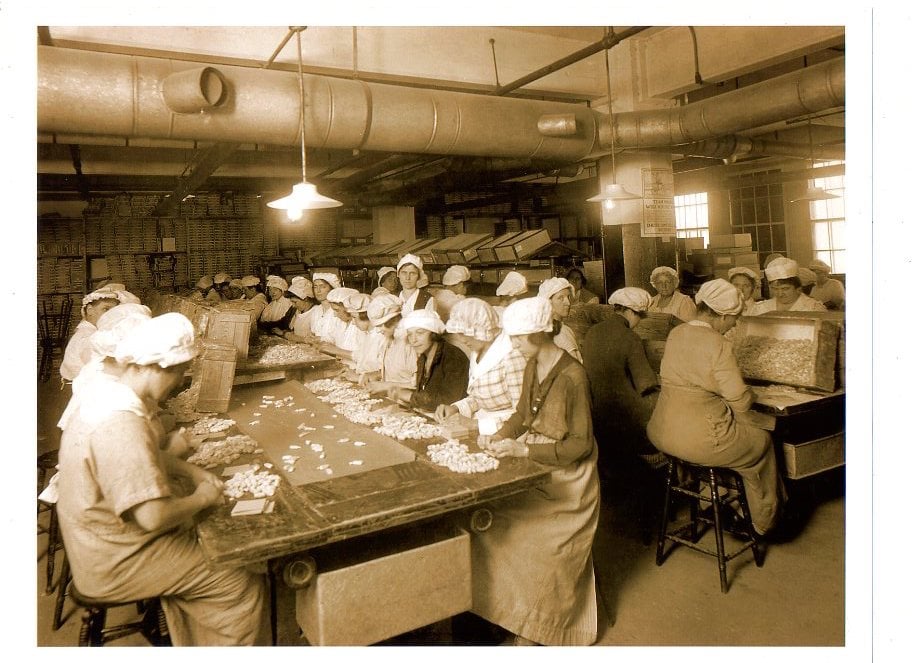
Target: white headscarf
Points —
{"points": [[273, 281], [329, 278], [473, 317], [339, 295], [513, 284], [636, 299], [423, 319], [165, 340], [456, 274], [552, 286], [383, 308], [721, 296], [301, 287], [115, 325], [528, 316], [357, 303], [781, 268]]}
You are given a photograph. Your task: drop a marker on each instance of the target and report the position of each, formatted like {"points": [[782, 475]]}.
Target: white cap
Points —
{"points": [[205, 282], [473, 317], [806, 276], [329, 278], [456, 274], [781, 268], [818, 265], [513, 284], [236, 283], [339, 295], [357, 303], [383, 308], [127, 297], [770, 258], [96, 295], [423, 319], [528, 316], [112, 286], [721, 296], [301, 287], [115, 325], [635, 299], [746, 271], [410, 259], [221, 277], [250, 281], [552, 286], [383, 271], [662, 269], [166, 340], [273, 281]]}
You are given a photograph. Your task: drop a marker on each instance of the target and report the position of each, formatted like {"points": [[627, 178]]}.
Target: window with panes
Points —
{"points": [[692, 216], [757, 208], [828, 221]]}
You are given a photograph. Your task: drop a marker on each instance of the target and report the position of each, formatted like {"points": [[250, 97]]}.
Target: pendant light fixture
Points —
{"points": [[304, 195], [614, 191], [812, 193]]}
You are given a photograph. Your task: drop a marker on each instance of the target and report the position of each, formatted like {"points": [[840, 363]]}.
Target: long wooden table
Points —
{"points": [[315, 514]]}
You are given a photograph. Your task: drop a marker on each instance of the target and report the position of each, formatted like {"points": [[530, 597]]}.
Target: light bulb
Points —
{"points": [[295, 213], [609, 205]]}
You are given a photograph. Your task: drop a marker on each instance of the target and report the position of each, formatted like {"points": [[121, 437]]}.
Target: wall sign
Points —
{"points": [[658, 203]]}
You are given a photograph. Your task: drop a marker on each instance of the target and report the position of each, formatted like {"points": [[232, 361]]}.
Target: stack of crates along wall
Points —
{"points": [[317, 232]]}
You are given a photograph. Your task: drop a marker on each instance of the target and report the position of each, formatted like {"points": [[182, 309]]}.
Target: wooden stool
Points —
{"points": [[94, 633], [46, 463], [691, 532]]}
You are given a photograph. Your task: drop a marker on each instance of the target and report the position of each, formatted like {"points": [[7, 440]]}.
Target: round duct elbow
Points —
{"points": [[194, 90], [562, 124]]}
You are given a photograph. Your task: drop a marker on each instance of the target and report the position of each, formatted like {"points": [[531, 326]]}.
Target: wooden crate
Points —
{"points": [[837, 317], [728, 241], [804, 459], [523, 245], [655, 326], [388, 588], [464, 251], [232, 327], [486, 249], [435, 253], [792, 350], [214, 372]]}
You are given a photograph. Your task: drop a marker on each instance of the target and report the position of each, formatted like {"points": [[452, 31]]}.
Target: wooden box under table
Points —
{"points": [[378, 587], [804, 459], [791, 350]]}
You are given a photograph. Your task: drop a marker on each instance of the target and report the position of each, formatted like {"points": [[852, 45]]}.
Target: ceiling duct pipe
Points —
{"points": [[726, 147], [802, 92], [194, 90], [119, 95], [557, 125]]}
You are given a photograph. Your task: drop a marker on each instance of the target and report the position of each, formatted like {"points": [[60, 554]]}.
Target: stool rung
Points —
{"points": [[677, 538]]}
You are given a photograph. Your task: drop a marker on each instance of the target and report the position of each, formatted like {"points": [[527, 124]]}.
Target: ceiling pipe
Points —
{"points": [[726, 147], [194, 90], [802, 92]]}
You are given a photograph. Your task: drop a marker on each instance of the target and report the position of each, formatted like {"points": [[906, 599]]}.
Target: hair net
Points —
{"points": [[781, 268], [205, 282], [817, 265], [96, 296], [456, 274], [126, 297], [663, 269], [301, 287], [274, 281], [166, 340], [357, 303], [423, 319], [552, 286], [721, 296], [770, 258], [250, 281], [746, 271], [331, 279], [339, 295], [114, 326], [473, 317], [383, 308], [528, 316], [635, 299], [513, 284]]}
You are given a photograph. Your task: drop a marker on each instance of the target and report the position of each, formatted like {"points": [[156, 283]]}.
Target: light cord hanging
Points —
{"points": [[298, 32]]}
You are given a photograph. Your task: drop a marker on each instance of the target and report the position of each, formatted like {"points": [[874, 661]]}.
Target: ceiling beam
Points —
{"points": [[205, 163]]}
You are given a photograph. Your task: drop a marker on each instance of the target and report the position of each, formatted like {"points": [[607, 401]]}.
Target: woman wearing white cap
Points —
{"points": [[253, 295], [235, 289], [700, 416], [785, 289], [387, 282], [441, 369], [128, 535], [623, 383], [559, 292], [829, 291], [387, 360], [532, 571], [279, 311], [78, 352], [747, 282], [356, 306], [220, 285], [455, 286], [668, 299], [323, 319], [410, 271], [513, 285], [205, 292], [301, 295], [337, 337], [495, 367]]}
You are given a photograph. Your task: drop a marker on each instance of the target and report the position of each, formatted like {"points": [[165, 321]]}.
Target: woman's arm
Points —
{"points": [[577, 444], [728, 378], [163, 514]]}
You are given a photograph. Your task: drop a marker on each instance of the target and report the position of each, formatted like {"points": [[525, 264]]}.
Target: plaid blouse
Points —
{"points": [[497, 389]]}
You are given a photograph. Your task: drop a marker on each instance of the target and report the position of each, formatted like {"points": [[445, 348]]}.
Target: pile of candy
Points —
{"points": [[455, 456], [183, 406], [221, 452], [407, 427], [259, 484], [211, 425]]}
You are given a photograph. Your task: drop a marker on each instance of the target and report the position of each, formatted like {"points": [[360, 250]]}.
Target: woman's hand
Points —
{"points": [[507, 447], [400, 394], [444, 412], [178, 443], [210, 494]]}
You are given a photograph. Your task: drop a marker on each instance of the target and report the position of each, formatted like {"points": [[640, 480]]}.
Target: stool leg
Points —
{"points": [[663, 525], [91, 634], [53, 538], [717, 517], [62, 584], [759, 557]]}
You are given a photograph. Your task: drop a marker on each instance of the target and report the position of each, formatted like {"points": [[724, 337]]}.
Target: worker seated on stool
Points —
{"points": [[701, 411], [128, 535]]}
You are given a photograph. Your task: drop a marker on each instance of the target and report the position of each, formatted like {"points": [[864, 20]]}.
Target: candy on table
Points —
{"points": [[455, 456], [221, 452]]}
